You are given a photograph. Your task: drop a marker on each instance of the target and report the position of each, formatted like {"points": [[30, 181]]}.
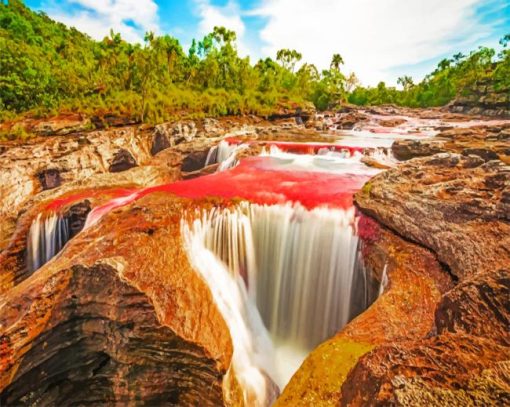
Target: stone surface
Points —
{"points": [[478, 306], [465, 360], [123, 160], [455, 205], [488, 142], [431, 372], [119, 317], [483, 99]]}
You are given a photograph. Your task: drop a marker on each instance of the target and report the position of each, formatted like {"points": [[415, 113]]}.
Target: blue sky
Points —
{"points": [[379, 39]]}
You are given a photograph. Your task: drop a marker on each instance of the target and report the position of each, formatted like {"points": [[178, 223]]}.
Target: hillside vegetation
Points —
{"points": [[46, 67]]}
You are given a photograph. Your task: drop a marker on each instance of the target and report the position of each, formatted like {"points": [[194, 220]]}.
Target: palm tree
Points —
{"points": [[336, 62]]}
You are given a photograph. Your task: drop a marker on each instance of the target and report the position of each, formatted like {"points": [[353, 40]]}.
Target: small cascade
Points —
{"points": [[47, 236], [224, 154], [252, 359], [230, 237], [365, 284], [384, 280]]}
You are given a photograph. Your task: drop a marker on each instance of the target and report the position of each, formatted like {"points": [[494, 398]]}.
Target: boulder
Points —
{"points": [[123, 160], [120, 317], [453, 204]]}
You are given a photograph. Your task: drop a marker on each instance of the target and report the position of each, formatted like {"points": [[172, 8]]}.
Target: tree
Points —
{"points": [[406, 82], [288, 58], [336, 61], [351, 83]]}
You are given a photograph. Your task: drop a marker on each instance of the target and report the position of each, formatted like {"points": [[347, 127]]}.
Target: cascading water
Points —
{"points": [[47, 236], [253, 358], [297, 264], [224, 154]]}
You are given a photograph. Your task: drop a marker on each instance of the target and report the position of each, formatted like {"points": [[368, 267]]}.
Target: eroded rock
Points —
{"points": [[120, 317], [448, 204], [122, 161]]}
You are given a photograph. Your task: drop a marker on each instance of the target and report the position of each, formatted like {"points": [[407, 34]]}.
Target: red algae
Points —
{"points": [[59, 203], [257, 182]]}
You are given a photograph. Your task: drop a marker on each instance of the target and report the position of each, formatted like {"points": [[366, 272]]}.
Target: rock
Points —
{"points": [[488, 142], [90, 192], [394, 122], [113, 120], [302, 113], [349, 120], [483, 153], [194, 161], [122, 161], [407, 149], [479, 306], [49, 178], [159, 143], [119, 318], [60, 125], [446, 203], [464, 361], [177, 133], [431, 372], [483, 99], [76, 216]]}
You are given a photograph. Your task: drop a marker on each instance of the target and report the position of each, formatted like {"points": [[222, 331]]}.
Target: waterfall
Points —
{"points": [[305, 261], [298, 266], [224, 154], [253, 353], [384, 280], [46, 237]]}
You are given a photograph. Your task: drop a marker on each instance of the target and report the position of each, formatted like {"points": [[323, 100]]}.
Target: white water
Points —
{"points": [[331, 162], [297, 264], [253, 352], [224, 154], [46, 237]]}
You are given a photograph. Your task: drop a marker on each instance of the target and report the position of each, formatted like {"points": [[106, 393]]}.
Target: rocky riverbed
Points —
{"points": [[105, 297]]}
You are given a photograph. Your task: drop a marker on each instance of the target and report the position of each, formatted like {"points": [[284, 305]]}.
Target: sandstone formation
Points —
{"points": [[484, 99], [488, 142], [455, 205], [119, 316], [459, 210]]}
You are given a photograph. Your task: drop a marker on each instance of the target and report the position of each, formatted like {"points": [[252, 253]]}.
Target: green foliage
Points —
{"points": [[456, 76], [46, 67]]}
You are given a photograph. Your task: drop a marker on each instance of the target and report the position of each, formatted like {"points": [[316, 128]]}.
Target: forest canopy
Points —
{"points": [[47, 67]]}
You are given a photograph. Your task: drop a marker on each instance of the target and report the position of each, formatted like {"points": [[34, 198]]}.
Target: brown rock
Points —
{"points": [[450, 204], [479, 306], [122, 161], [419, 373], [349, 120], [487, 142], [407, 149], [118, 318], [392, 122], [49, 178]]}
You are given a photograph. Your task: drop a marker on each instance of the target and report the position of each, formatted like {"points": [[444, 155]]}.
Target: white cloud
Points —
{"points": [[372, 35], [228, 16], [130, 18]]}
